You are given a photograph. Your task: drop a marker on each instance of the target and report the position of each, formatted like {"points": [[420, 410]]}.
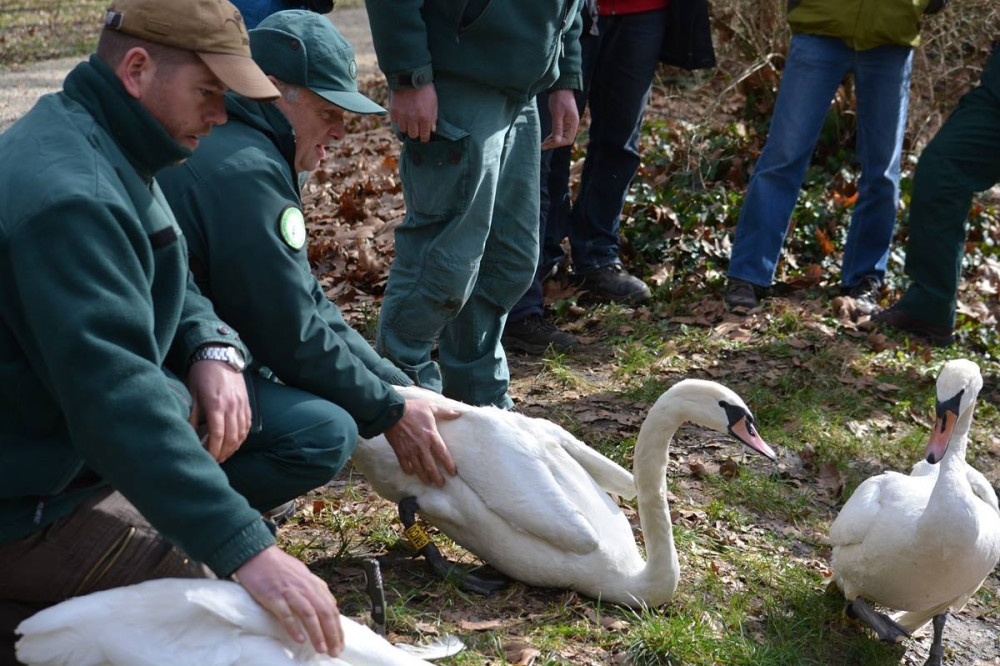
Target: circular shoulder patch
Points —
{"points": [[292, 227]]}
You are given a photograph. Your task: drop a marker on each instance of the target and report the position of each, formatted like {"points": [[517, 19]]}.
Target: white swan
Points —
{"points": [[532, 500], [922, 543], [174, 621]]}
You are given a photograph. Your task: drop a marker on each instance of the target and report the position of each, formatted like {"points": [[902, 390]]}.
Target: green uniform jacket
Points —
{"points": [[229, 199], [519, 46], [862, 24], [95, 299]]}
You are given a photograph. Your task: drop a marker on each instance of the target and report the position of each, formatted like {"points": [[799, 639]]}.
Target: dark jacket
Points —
{"points": [[521, 47], [229, 199], [95, 303]]}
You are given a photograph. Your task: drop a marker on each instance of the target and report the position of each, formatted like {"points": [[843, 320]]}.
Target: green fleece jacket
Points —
{"points": [[230, 198], [862, 24], [96, 303], [521, 47]]}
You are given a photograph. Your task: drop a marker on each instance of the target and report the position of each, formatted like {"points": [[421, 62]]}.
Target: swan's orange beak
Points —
{"points": [[937, 445], [745, 431]]}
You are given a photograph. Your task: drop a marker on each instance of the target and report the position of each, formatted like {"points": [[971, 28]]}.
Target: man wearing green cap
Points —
{"points": [[238, 202], [463, 76], [103, 479]]}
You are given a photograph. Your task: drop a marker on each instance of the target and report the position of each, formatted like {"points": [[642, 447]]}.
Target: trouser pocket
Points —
{"points": [[435, 174]]}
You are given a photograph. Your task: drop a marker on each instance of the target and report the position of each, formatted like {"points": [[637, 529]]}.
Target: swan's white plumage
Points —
{"points": [[173, 621], [922, 543], [532, 500]]}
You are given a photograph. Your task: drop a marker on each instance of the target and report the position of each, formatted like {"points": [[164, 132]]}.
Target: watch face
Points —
{"points": [[235, 358]]}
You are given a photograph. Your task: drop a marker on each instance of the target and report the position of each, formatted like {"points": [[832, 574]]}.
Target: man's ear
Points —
{"points": [[135, 71]]}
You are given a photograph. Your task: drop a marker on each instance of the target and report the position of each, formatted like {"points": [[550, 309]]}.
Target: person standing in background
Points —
{"points": [[462, 79], [622, 41], [962, 159], [874, 41]]}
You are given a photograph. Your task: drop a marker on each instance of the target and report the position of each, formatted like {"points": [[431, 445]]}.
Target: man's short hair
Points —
{"points": [[113, 45]]}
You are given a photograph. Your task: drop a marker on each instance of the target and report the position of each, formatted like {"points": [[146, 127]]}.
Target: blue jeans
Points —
{"points": [[814, 69], [618, 68]]}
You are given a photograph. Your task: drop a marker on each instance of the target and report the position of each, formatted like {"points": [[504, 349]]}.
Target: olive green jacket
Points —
{"points": [[96, 308], [519, 46], [229, 199], [862, 24]]}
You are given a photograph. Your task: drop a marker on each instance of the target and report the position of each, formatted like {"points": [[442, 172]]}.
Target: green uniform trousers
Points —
{"points": [[467, 248], [961, 160], [298, 442]]}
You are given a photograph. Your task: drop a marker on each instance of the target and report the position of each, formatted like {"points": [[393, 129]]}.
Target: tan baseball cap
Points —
{"points": [[212, 29]]}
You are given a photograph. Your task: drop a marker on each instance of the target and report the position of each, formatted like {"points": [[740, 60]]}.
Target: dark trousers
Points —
{"points": [[104, 543], [298, 442], [961, 160], [618, 69]]}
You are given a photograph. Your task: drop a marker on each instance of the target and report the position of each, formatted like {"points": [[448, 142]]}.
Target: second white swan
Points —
{"points": [[532, 500]]}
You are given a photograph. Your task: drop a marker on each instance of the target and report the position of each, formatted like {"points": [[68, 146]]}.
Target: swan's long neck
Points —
{"points": [[954, 457], [952, 480], [649, 468]]}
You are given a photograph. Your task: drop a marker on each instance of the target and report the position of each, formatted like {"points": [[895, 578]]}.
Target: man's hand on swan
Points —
{"points": [[418, 444]]}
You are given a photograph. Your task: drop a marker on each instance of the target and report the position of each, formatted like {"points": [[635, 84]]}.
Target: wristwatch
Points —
{"points": [[230, 355]]}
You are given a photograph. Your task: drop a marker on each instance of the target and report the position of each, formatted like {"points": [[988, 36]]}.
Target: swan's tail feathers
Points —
{"points": [[64, 647], [608, 474], [445, 570], [363, 647], [441, 648]]}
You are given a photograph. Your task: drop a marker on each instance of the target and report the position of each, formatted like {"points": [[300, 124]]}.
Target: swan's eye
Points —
{"points": [[952, 404], [735, 413]]}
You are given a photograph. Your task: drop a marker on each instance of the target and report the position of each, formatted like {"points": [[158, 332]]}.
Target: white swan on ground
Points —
{"points": [[922, 543], [532, 500], [181, 621]]}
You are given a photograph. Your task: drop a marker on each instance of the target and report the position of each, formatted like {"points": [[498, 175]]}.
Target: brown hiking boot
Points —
{"points": [[894, 317]]}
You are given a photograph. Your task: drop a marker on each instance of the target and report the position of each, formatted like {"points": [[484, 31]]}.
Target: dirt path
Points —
{"points": [[20, 87]]}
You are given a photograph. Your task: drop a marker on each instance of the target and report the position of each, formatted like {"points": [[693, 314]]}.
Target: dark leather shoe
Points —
{"points": [[534, 334], [613, 283], [742, 296], [894, 317], [865, 294]]}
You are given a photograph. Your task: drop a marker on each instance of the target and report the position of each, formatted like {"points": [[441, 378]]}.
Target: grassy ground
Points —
{"points": [[753, 547], [837, 401]]}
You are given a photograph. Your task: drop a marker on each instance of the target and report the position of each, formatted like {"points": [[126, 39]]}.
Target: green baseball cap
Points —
{"points": [[304, 48]]}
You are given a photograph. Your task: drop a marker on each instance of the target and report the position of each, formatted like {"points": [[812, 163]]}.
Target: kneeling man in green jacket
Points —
{"points": [[104, 481], [239, 205]]}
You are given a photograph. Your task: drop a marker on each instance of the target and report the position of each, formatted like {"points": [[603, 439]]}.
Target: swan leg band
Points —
{"points": [[417, 537]]}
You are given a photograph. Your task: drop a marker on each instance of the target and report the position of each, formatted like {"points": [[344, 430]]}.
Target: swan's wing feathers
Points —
{"points": [[608, 474], [859, 513], [982, 489]]}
